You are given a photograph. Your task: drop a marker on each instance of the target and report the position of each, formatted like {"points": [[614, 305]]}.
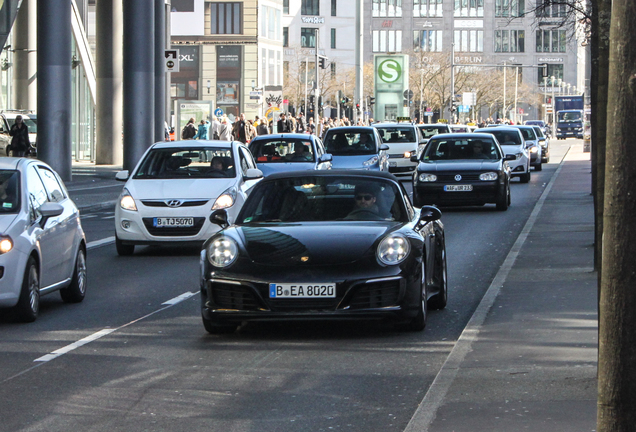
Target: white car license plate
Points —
{"points": [[458, 188], [301, 290], [392, 164], [173, 222]]}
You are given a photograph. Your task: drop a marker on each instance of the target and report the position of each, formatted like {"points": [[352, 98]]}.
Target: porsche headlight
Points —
{"points": [[222, 251], [126, 201], [393, 249], [6, 244], [370, 162], [225, 200], [488, 176], [427, 177]]}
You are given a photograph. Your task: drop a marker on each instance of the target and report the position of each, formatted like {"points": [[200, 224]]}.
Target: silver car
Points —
{"points": [[357, 147], [42, 244], [512, 143]]}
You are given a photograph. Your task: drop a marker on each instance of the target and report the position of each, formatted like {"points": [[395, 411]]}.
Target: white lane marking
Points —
{"points": [[55, 354], [179, 299], [108, 217], [75, 189], [97, 243], [434, 397]]}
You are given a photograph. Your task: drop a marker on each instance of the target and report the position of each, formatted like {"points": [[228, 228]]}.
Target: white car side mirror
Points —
{"points": [[122, 175]]}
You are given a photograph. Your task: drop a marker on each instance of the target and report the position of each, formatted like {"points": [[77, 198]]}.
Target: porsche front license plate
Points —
{"points": [[458, 188], [300, 290], [172, 222]]}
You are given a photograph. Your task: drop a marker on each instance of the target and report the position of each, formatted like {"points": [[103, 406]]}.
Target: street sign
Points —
{"points": [[218, 112], [172, 60], [408, 94], [428, 113]]}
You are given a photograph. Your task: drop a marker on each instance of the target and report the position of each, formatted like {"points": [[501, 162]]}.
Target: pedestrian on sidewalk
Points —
{"points": [[225, 132], [20, 141], [242, 130], [203, 130], [189, 131]]}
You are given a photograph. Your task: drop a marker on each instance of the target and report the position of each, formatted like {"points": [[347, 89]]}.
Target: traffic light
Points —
{"points": [[323, 62], [357, 106], [347, 100], [312, 100], [319, 100], [371, 100], [544, 70]]}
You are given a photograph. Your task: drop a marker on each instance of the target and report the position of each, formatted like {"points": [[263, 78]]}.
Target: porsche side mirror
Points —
{"points": [[219, 217], [122, 175], [325, 158], [384, 147], [430, 214]]}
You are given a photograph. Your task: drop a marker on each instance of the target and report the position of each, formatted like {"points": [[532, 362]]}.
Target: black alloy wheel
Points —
{"points": [[76, 291], [419, 322], [28, 306]]}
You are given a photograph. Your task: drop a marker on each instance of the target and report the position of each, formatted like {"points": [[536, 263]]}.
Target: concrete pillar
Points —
{"points": [[139, 77], [25, 57], [109, 75], [160, 75], [54, 85]]}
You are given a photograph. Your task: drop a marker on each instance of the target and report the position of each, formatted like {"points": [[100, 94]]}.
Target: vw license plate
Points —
{"points": [[173, 222], [458, 188], [300, 290]]}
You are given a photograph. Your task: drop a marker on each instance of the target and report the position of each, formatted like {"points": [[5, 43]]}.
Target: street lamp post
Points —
{"points": [[552, 81], [545, 99]]}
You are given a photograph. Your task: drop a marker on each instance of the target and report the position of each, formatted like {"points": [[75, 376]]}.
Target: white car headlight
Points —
{"points": [[534, 149], [6, 244], [408, 154], [126, 201], [225, 200], [518, 155], [370, 162], [222, 251], [427, 177], [393, 249], [488, 176]]}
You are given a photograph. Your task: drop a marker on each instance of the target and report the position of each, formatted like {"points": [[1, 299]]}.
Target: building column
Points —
{"points": [[139, 77], [109, 76], [54, 85], [160, 74], [25, 57]]}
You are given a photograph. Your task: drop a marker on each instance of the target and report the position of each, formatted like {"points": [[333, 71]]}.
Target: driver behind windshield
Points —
{"points": [[366, 207]]}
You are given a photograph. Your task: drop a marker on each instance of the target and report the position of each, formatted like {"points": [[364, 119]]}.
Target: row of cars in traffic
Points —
{"points": [[292, 226]]}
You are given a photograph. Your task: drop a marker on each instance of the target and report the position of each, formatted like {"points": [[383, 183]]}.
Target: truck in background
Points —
{"points": [[569, 116]]}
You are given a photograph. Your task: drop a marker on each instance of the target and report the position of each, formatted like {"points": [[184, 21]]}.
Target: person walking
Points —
{"points": [[283, 125], [203, 130], [311, 127], [189, 131], [242, 130], [261, 128], [225, 132], [20, 141], [300, 124], [214, 128]]}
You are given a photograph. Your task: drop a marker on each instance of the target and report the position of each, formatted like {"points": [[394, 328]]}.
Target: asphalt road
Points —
{"points": [[134, 355]]}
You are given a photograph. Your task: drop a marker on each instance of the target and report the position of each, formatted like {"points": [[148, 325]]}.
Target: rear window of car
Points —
{"points": [[396, 134], [174, 163], [467, 148], [350, 143], [9, 191], [429, 131], [528, 133], [505, 137], [282, 150], [329, 198]]}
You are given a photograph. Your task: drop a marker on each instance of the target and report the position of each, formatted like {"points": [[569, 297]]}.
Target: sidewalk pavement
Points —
{"points": [[528, 358]]}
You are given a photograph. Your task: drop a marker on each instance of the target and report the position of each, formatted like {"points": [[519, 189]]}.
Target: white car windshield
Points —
{"points": [[178, 163]]}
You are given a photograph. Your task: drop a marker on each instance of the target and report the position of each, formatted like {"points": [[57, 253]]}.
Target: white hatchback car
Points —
{"points": [[403, 139], [512, 143], [175, 187], [42, 244]]}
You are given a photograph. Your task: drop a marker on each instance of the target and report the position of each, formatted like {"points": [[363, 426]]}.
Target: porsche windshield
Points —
{"points": [[282, 150], [451, 149], [9, 191], [175, 163], [316, 198], [340, 143]]}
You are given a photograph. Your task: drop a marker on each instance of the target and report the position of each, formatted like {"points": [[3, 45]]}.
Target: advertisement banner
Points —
{"points": [[187, 109]]}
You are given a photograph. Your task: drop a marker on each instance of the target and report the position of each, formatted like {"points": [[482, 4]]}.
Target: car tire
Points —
{"points": [[123, 249], [214, 328], [76, 291], [418, 323], [525, 178], [538, 167], [28, 306], [503, 201], [439, 300]]}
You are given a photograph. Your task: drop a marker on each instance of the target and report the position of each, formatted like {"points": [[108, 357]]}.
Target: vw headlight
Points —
{"points": [[6, 244], [370, 162], [126, 201], [222, 251], [225, 200], [427, 177], [488, 176], [393, 249]]}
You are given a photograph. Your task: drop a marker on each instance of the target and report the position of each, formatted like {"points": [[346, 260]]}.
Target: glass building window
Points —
{"points": [[469, 8], [509, 41], [286, 7], [332, 66], [551, 40], [386, 8], [469, 40], [427, 40], [551, 8], [509, 8], [427, 8], [285, 36], [226, 18], [387, 40], [308, 37], [554, 70], [310, 7], [333, 7], [333, 38]]}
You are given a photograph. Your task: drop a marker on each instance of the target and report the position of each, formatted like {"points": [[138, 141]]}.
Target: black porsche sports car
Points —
{"points": [[462, 169], [330, 244]]}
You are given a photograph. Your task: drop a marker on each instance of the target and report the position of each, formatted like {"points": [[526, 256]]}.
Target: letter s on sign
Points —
{"points": [[389, 71]]}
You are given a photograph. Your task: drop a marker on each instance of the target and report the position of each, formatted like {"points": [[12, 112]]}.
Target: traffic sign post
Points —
{"points": [[172, 60], [218, 112]]}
